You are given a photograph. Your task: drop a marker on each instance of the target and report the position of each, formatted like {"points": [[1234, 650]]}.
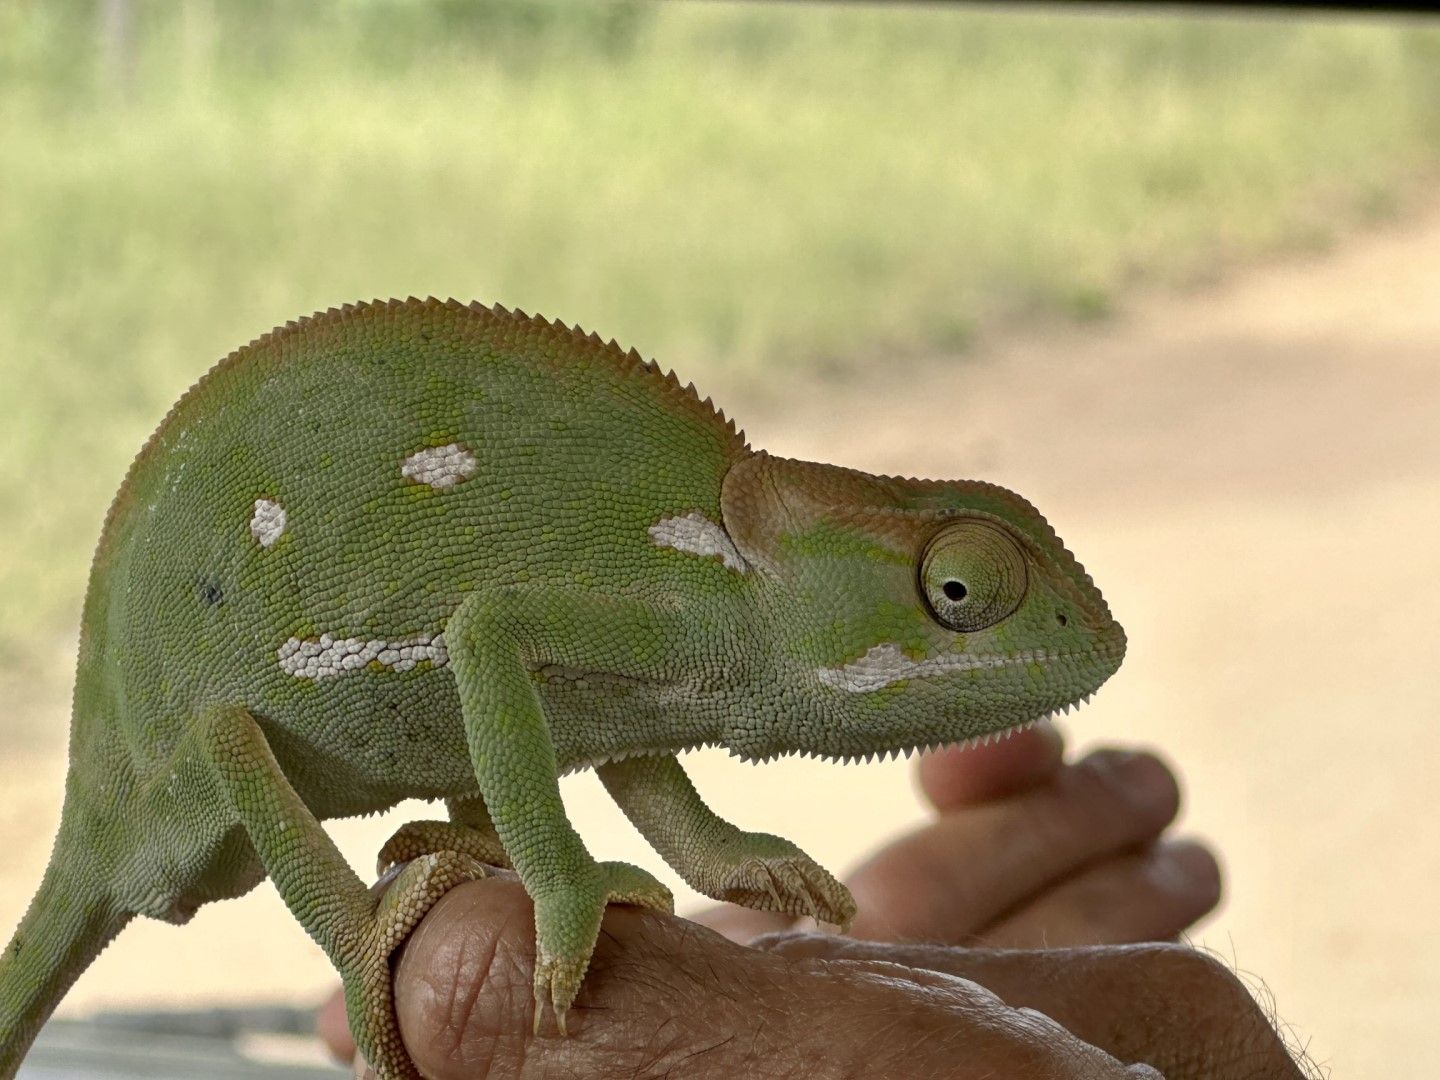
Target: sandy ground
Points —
{"points": [[1253, 476]]}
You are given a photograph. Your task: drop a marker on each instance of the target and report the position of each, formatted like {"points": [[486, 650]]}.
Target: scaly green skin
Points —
{"points": [[617, 577]]}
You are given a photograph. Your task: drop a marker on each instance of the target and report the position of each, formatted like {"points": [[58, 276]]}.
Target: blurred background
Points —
{"points": [[1175, 277]]}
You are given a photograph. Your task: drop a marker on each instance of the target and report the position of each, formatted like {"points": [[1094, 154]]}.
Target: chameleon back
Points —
{"points": [[322, 499]]}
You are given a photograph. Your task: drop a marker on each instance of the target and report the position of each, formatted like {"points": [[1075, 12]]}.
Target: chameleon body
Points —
{"points": [[429, 549]]}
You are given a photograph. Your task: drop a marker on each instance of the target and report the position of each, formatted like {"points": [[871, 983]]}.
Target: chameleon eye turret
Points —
{"points": [[972, 575]]}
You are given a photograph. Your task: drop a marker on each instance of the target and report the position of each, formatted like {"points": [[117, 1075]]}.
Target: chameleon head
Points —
{"points": [[908, 613]]}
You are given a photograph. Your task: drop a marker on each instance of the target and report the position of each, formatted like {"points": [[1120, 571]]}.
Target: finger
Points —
{"points": [[663, 996], [956, 776], [1147, 895], [333, 1028], [1167, 1005], [953, 878]]}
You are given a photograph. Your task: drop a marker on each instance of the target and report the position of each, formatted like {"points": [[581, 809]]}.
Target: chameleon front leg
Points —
{"points": [[495, 640], [714, 857], [357, 930]]}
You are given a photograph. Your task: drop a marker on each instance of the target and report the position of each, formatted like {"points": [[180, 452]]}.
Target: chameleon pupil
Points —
{"points": [[955, 590]]}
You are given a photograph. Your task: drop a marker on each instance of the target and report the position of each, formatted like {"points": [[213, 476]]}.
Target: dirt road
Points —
{"points": [[1252, 473]]}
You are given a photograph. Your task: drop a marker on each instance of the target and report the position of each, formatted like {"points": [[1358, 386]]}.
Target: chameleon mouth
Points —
{"points": [[908, 751]]}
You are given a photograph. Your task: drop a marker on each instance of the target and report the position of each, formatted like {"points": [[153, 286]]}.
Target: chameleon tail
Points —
{"points": [[71, 919]]}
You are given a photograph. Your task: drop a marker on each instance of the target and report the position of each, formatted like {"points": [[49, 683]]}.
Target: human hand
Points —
{"points": [[665, 996], [1026, 850]]}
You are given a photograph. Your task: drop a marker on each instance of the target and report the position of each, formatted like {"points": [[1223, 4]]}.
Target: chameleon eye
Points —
{"points": [[972, 575]]}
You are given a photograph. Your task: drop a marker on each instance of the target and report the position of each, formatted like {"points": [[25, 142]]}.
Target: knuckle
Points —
{"points": [[1191, 967], [1137, 784]]}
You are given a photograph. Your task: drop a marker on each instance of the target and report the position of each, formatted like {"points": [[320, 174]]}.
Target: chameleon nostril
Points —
{"points": [[1062, 618]]}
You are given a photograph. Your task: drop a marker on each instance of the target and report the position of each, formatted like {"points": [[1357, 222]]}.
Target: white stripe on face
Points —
{"points": [[885, 665]]}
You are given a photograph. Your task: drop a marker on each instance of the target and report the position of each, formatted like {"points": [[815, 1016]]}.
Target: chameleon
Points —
{"points": [[428, 549]]}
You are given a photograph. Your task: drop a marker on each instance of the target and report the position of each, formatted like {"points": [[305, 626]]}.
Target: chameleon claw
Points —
{"points": [[813, 910]]}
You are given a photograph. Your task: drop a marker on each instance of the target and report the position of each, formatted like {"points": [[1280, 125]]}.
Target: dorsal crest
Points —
{"points": [[557, 341]]}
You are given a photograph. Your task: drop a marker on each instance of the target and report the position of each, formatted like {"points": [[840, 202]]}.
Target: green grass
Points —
{"points": [[715, 184]]}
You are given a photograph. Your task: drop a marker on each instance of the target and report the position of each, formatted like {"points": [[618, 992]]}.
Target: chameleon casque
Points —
{"points": [[419, 548]]}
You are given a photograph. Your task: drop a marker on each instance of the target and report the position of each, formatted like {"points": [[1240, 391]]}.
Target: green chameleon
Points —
{"points": [[424, 549]]}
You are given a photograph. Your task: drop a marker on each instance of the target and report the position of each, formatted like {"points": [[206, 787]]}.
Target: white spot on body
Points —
{"points": [[698, 535], [267, 522], [884, 665], [328, 656], [440, 467]]}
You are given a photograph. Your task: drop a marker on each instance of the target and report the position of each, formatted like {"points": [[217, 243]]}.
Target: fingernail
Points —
{"points": [[1186, 867], [1138, 774]]}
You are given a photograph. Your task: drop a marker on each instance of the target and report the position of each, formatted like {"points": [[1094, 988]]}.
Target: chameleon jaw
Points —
{"points": [[984, 739], [886, 664], [973, 741]]}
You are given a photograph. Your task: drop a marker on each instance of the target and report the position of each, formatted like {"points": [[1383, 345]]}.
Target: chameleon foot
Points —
{"points": [[368, 991], [567, 923], [769, 873], [416, 838]]}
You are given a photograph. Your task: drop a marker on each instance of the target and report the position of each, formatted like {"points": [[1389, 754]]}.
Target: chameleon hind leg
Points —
{"points": [[469, 831], [495, 639], [715, 858], [357, 929]]}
